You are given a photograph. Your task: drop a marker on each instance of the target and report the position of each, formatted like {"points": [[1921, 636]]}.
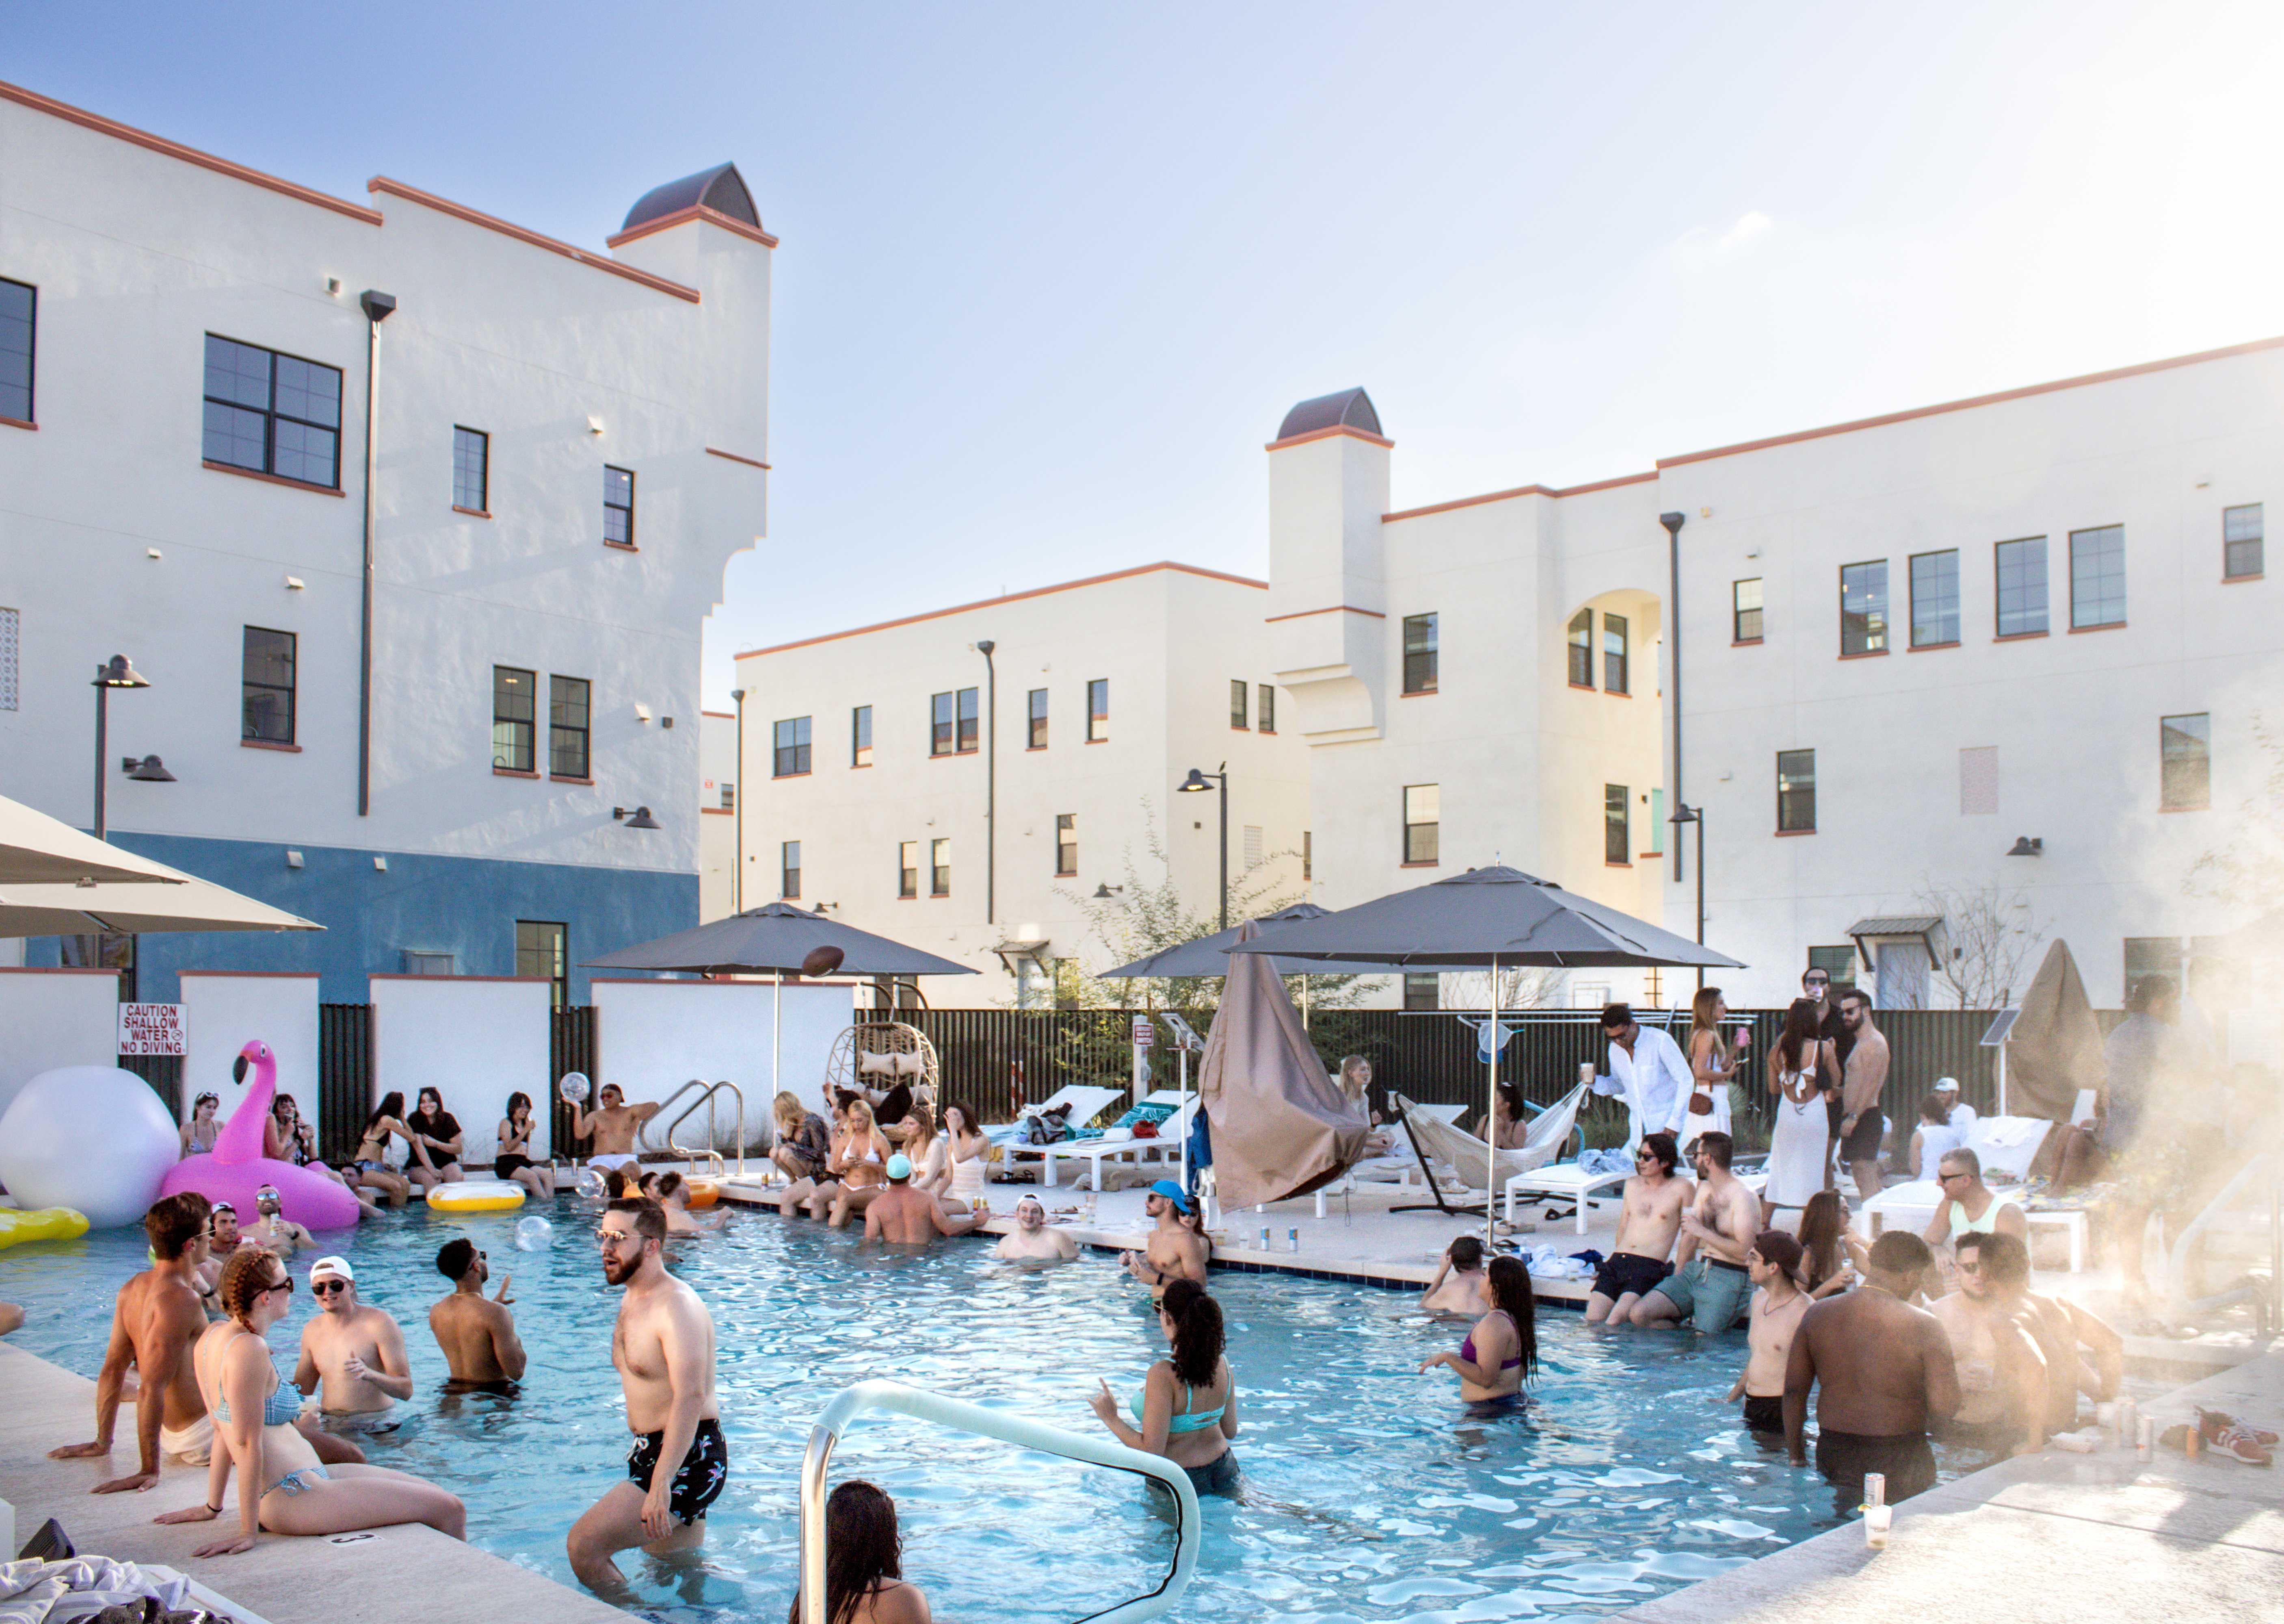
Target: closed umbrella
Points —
{"points": [[39, 850]]}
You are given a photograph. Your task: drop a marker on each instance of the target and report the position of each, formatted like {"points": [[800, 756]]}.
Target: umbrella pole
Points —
{"points": [[1490, 1114], [777, 1005]]}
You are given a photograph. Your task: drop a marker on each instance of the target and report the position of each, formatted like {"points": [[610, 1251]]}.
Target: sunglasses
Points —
{"points": [[285, 1286], [326, 1288], [613, 1238], [1969, 1266]]}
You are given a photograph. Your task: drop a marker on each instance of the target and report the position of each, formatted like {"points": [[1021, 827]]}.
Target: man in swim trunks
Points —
{"points": [[476, 1332], [1647, 1223], [663, 1348], [1883, 1374], [1709, 1284], [1031, 1241], [1778, 1305], [357, 1352], [274, 1230], [1174, 1251], [1863, 1127], [614, 1123], [2002, 1373], [912, 1217], [154, 1320]]}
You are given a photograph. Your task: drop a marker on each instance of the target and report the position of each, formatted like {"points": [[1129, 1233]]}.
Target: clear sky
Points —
{"points": [[1051, 273]]}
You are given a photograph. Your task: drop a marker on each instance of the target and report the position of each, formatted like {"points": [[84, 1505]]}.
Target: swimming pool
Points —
{"points": [[1371, 1494]]}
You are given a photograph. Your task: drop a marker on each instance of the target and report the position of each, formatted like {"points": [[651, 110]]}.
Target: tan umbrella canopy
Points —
{"points": [[184, 904], [2053, 1049], [39, 850]]}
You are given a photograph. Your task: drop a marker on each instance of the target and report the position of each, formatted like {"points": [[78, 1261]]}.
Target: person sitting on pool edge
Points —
{"points": [[860, 1162], [513, 1163], [912, 1217], [612, 1124], [1711, 1289], [1501, 1353], [1459, 1285], [1187, 1408], [863, 1561], [1031, 1241], [1174, 1251], [1649, 1219], [804, 1140], [476, 1332], [436, 1139]]}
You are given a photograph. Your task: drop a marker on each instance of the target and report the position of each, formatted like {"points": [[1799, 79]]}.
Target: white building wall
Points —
{"points": [[223, 1013], [475, 1040], [717, 828], [52, 1017]]}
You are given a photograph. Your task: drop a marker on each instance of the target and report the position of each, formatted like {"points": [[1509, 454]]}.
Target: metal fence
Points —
{"points": [[164, 1074], [571, 1047], [344, 1078]]}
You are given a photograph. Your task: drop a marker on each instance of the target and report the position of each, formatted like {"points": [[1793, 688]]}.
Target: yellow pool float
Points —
{"points": [[41, 1223], [488, 1195]]}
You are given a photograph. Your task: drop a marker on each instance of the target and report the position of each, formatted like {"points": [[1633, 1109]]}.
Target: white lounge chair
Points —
{"points": [[1169, 1143], [1543, 1142], [1083, 1102]]}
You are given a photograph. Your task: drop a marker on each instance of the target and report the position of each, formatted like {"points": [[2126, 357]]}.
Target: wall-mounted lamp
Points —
{"points": [[292, 858], [2028, 846], [1107, 893], [639, 818], [150, 770]]}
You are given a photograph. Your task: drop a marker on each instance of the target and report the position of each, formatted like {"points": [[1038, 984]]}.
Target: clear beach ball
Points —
{"points": [[534, 1234], [591, 1184], [574, 1088]]}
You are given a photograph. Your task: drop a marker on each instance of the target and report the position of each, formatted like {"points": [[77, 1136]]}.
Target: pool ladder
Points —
{"points": [[1024, 1433], [721, 1168]]}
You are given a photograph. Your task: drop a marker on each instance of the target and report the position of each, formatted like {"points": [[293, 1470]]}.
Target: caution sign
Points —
{"points": [[1145, 1033], [150, 1029]]}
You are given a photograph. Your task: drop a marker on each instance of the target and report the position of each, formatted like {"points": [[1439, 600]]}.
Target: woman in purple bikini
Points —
{"points": [[1502, 1351]]}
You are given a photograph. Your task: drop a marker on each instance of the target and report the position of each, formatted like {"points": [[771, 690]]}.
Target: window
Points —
{"points": [[1419, 653], [569, 705], [939, 868], [1864, 608], [1934, 599], [12, 636], [618, 507], [421, 961], [860, 736], [2098, 577], [1978, 781], [2184, 762], [1037, 708], [19, 318], [1616, 842], [1795, 790], [272, 414], [1837, 963], [2148, 956], [969, 710], [543, 948], [952, 721], [1265, 709], [908, 869], [266, 687], [1307, 855], [1097, 710], [1582, 649], [515, 696], [1614, 654], [1656, 798], [1253, 846], [1423, 989], [789, 870], [2021, 568], [471, 457], [1238, 695], [2241, 531], [790, 747], [1423, 806], [1744, 611], [729, 798], [940, 730], [1065, 843]]}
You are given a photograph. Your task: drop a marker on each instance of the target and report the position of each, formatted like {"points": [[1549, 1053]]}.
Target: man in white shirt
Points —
{"points": [[1648, 1071], [1962, 1114]]}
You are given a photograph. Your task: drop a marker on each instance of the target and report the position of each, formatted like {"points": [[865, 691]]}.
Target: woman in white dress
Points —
{"points": [[1804, 1130], [967, 1149]]}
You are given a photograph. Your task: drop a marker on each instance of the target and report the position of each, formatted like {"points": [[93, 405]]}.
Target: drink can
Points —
{"points": [[1292, 1240], [1264, 1237], [2145, 1437], [1875, 1488]]}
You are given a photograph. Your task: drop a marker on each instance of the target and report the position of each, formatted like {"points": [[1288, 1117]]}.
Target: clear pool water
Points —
{"points": [[1370, 1493]]}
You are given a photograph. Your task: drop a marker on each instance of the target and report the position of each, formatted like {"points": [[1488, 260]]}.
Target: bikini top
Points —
{"points": [[1467, 1347], [1185, 1419], [279, 1406]]}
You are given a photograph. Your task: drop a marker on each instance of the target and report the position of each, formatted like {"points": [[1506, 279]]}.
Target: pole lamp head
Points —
{"points": [[150, 770], [737, 696], [1684, 815], [119, 672], [379, 307], [2029, 845], [1673, 522], [983, 647], [1193, 785]]}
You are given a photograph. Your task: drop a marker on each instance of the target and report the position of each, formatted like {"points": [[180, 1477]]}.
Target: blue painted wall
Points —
{"points": [[465, 906]]}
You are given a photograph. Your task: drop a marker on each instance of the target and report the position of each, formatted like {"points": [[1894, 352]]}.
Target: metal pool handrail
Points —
{"points": [[1024, 1433], [706, 1099]]}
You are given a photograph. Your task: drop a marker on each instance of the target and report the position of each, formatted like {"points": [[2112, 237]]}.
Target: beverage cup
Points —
{"points": [[2144, 1438], [1586, 1072], [1877, 1520]]}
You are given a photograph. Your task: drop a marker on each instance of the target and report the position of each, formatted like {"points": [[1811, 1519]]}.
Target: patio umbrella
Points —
{"points": [[1496, 917], [181, 904], [1209, 955], [39, 850]]}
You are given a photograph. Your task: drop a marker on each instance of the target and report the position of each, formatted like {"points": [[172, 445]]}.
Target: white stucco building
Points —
{"points": [[883, 784], [717, 814], [419, 707]]}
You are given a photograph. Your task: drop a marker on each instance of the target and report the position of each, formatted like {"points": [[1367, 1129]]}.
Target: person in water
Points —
{"points": [[283, 1487], [199, 1132], [1031, 1241], [273, 1229], [1501, 1353], [476, 1332], [863, 1561], [1459, 1285], [1174, 1251], [356, 1351], [672, 1193], [912, 1216], [1774, 1261], [1187, 1408]]}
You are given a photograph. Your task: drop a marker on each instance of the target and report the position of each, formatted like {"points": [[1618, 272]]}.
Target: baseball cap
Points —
{"points": [[1946, 1085], [900, 1165], [1032, 1196], [1173, 1192], [326, 1268]]}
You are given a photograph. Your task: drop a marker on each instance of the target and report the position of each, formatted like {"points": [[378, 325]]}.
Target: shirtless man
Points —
{"points": [[2066, 1334], [357, 1352], [1031, 1241], [1174, 1251], [2002, 1371], [1460, 1286], [1648, 1224], [663, 1347], [274, 1230], [1778, 1305], [913, 1217], [1883, 1372], [154, 1320], [476, 1332], [671, 1192], [1711, 1283], [614, 1123]]}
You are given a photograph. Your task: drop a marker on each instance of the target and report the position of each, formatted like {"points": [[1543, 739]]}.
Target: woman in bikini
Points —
{"points": [[513, 1163], [863, 1561], [1187, 1408], [1502, 1351], [370, 1169], [287, 1137], [861, 1164], [253, 1415], [200, 1132], [968, 1150]]}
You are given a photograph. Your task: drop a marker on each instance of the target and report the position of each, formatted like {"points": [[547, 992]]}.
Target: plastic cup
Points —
{"points": [[1877, 1520], [2144, 1438]]}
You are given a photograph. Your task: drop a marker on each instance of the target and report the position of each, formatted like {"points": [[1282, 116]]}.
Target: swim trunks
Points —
{"points": [[1844, 1457], [1712, 1295], [1629, 1274], [698, 1481], [1764, 1414], [1863, 1143], [609, 1159], [192, 1445]]}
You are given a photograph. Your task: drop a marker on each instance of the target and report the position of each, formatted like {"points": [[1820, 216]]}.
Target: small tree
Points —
{"points": [[1522, 986], [1989, 934], [2250, 870]]}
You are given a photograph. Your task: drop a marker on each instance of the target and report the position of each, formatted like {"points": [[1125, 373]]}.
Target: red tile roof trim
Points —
{"points": [[460, 211]]}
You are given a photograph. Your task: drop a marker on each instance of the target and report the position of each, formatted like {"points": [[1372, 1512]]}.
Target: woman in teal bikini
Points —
{"points": [[253, 1430], [1503, 1348], [1187, 1408]]}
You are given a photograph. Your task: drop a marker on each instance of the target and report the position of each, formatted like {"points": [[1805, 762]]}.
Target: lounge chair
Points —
{"points": [[1543, 1142], [1083, 1102], [1169, 1143]]}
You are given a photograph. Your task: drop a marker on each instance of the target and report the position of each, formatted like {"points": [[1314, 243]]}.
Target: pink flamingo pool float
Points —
{"points": [[235, 1168]]}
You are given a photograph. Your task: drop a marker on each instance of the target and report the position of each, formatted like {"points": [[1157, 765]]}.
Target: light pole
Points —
{"points": [[1694, 815], [378, 306], [1673, 523], [1196, 783], [738, 811], [990, 780], [118, 673]]}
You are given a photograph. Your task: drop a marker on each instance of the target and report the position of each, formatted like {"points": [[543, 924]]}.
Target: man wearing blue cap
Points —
{"points": [[1176, 1250], [912, 1217]]}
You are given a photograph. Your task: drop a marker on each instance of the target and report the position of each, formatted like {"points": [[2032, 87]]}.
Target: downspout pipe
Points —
{"points": [[990, 780], [1673, 523], [379, 308]]}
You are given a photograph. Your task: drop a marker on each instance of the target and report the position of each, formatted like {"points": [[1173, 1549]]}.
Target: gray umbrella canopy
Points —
{"points": [[1209, 955], [1485, 914], [776, 938]]}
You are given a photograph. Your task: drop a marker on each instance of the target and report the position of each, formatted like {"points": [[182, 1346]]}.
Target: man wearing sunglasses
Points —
{"points": [[1969, 1205], [2002, 1371], [357, 1352], [1656, 1197], [614, 1124]]}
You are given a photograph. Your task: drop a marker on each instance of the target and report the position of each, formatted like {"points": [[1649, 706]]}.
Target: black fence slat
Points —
{"points": [[344, 1078], [571, 1047], [164, 1074]]}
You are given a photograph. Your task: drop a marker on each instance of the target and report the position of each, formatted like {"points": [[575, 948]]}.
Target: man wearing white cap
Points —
{"points": [[1962, 1114], [912, 1217], [1174, 1251], [356, 1351], [1031, 1241]]}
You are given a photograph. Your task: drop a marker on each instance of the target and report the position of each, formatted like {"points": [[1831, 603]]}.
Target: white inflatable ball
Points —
{"points": [[534, 1234], [574, 1088], [591, 1184], [94, 1138]]}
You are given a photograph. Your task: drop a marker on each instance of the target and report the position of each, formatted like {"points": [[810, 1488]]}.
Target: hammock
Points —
{"points": [[1468, 1156]]}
